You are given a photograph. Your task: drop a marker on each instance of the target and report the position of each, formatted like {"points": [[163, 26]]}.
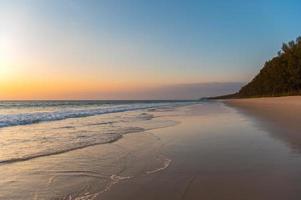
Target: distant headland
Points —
{"points": [[280, 76]]}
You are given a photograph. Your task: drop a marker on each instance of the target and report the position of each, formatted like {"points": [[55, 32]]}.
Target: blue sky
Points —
{"points": [[211, 37], [130, 42]]}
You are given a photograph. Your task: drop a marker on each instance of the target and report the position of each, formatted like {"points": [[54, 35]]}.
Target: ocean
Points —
{"points": [[30, 129]]}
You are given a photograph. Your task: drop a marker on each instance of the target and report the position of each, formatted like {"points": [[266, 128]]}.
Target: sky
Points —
{"points": [[138, 49]]}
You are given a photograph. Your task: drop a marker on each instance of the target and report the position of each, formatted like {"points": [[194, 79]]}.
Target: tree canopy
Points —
{"points": [[280, 76]]}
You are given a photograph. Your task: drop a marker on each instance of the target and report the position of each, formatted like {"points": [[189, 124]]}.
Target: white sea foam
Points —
{"points": [[114, 179], [36, 117], [45, 139], [166, 164]]}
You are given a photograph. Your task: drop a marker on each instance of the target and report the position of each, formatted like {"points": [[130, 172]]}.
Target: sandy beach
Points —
{"points": [[220, 153], [134, 100], [280, 115], [209, 151]]}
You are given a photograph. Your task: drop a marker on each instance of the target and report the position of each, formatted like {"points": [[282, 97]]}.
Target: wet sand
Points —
{"points": [[279, 115], [213, 152], [219, 153]]}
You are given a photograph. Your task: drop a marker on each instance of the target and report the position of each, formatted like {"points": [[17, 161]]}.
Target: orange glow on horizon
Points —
{"points": [[25, 87]]}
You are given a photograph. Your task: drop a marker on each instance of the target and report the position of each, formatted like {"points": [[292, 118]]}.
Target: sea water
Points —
{"points": [[30, 129]]}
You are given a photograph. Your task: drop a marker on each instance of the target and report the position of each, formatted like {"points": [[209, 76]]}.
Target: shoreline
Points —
{"points": [[216, 154], [212, 152]]}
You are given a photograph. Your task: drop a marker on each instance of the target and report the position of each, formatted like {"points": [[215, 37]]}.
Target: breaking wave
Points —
{"points": [[36, 117]]}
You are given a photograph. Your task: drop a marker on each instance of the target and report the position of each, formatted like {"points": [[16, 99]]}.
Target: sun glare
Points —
{"points": [[8, 51], [5, 71]]}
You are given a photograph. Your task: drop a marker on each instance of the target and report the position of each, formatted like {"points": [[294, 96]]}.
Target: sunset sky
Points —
{"points": [[72, 49]]}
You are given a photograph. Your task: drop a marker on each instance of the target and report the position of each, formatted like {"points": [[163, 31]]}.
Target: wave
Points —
{"points": [[82, 141], [36, 117], [42, 154]]}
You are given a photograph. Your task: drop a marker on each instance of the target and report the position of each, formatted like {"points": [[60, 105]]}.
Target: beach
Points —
{"points": [[150, 100], [208, 150], [280, 115], [219, 153]]}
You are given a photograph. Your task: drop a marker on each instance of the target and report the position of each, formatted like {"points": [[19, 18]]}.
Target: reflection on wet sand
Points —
{"points": [[279, 116], [218, 155], [212, 152]]}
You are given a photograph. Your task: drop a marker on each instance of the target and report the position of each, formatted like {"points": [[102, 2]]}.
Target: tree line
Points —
{"points": [[280, 76]]}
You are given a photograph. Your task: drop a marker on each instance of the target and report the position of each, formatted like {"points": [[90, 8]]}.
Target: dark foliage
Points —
{"points": [[279, 76]]}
